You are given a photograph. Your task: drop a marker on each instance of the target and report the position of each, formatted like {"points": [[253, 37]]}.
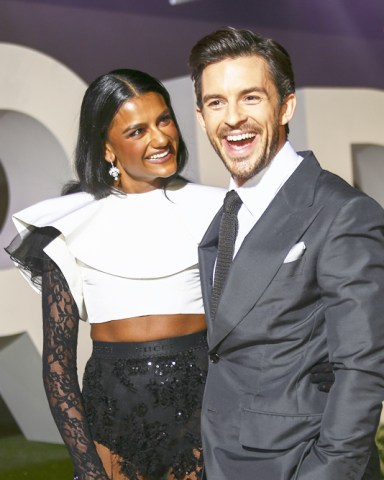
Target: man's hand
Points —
{"points": [[322, 374]]}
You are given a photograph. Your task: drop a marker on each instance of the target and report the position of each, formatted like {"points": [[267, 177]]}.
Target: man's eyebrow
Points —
{"points": [[254, 89], [246, 91], [211, 96]]}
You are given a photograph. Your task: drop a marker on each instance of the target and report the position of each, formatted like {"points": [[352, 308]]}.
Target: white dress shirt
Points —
{"points": [[259, 191]]}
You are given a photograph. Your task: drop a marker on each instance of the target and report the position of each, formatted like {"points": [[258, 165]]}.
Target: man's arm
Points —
{"points": [[351, 279]]}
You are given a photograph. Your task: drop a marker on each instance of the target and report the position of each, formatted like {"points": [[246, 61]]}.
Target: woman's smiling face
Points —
{"points": [[143, 141]]}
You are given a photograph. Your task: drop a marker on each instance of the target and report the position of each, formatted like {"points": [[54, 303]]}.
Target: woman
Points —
{"points": [[122, 254]]}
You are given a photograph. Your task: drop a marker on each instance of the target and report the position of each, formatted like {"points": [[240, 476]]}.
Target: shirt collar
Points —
{"points": [[262, 188]]}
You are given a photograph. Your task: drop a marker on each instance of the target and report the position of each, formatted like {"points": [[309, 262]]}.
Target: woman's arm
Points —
{"points": [[60, 328]]}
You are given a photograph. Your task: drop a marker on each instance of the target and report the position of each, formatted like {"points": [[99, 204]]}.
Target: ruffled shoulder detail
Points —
{"points": [[27, 252], [66, 213], [146, 235], [197, 205], [42, 229]]}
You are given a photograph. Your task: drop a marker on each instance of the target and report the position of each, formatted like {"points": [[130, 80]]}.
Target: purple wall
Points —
{"points": [[332, 42]]}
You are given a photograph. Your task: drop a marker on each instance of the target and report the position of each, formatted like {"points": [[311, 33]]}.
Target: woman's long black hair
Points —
{"points": [[101, 101]]}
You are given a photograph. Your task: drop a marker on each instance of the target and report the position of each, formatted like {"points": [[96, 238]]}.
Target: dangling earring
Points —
{"points": [[114, 171]]}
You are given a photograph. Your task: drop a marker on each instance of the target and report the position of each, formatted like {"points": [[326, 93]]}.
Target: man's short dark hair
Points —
{"points": [[229, 43]]}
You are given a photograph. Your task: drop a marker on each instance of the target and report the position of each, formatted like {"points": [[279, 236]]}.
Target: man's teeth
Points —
{"points": [[243, 136], [159, 155]]}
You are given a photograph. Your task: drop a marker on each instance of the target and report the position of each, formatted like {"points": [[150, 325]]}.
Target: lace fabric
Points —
{"points": [[60, 327], [180, 456], [60, 332], [147, 410]]}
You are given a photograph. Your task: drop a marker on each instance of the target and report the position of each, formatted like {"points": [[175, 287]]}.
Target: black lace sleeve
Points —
{"points": [[60, 325]]}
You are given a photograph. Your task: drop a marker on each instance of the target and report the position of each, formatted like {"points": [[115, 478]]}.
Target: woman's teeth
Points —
{"points": [[159, 155]]}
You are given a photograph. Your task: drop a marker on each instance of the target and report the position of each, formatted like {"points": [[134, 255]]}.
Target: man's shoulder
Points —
{"points": [[328, 183], [335, 192], [326, 188], [335, 187]]}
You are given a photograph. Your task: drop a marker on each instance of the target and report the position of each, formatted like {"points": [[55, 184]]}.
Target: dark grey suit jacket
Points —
{"points": [[262, 418]]}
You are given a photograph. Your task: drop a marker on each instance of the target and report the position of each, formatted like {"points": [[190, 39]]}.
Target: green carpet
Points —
{"points": [[21, 459]]}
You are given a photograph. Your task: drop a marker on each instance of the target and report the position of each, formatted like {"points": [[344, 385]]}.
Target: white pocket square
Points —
{"points": [[295, 253]]}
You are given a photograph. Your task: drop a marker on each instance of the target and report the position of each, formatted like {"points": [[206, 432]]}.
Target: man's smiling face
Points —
{"points": [[242, 114]]}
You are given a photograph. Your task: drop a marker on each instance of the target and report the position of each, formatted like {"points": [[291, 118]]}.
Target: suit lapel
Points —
{"points": [[262, 252]]}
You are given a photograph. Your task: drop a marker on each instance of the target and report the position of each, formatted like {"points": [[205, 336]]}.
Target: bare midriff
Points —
{"points": [[148, 327]]}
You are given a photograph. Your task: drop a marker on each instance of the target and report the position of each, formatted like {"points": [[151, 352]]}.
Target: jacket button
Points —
{"points": [[214, 357]]}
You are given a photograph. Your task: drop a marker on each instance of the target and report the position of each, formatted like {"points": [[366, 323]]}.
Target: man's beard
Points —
{"points": [[253, 169]]}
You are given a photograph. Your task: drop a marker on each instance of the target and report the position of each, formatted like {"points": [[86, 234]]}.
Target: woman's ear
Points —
{"points": [[109, 156], [287, 109]]}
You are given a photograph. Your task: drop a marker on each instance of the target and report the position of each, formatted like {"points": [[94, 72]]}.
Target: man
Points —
{"points": [[305, 286]]}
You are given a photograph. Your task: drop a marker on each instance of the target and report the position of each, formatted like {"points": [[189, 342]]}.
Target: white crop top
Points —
{"points": [[129, 255]]}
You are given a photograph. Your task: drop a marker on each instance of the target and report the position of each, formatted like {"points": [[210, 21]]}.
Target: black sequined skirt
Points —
{"points": [[143, 402]]}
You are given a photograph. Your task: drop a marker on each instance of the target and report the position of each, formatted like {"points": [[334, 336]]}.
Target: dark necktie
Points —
{"points": [[227, 236]]}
